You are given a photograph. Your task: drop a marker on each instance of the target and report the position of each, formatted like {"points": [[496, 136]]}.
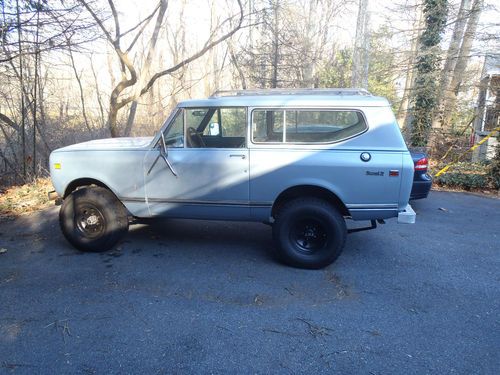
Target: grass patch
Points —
{"points": [[17, 200]]}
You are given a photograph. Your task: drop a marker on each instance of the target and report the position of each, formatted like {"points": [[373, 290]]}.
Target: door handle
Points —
{"points": [[238, 156]]}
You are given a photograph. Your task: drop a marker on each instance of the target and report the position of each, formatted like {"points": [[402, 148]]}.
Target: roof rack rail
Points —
{"points": [[307, 91]]}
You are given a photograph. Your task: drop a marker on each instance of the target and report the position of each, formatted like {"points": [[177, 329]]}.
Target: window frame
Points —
{"points": [[217, 110], [308, 109], [167, 125]]}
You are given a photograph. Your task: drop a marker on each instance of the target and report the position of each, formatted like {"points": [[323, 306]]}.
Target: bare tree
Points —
{"points": [[147, 64], [403, 114], [29, 30], [462, 58], [130, 77]]}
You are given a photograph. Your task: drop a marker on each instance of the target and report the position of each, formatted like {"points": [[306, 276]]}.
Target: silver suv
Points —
{"points": [[302, 161]]}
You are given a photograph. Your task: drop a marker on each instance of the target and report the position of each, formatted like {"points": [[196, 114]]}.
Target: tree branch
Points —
{"points": [[117, 24], [6, 119], [98, 21], [147, 19], [208, 45]]}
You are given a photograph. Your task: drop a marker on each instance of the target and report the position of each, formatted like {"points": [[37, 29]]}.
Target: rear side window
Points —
{"points": [[305, 126]]}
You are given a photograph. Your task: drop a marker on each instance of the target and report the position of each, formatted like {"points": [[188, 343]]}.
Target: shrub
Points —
{"points": [[494, 169], [466, 181]]}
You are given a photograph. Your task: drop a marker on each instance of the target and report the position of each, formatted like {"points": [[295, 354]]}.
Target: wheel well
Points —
{"points": [[309, 191], [81, 182]]}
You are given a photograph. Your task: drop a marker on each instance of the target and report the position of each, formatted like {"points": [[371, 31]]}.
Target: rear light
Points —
{"points": [[422, 164]]}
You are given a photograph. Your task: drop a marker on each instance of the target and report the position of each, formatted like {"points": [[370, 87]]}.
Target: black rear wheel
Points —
{"points": [[309, 233], [93, 219]]}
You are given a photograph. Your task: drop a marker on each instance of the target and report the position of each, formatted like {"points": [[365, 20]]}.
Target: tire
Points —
{"points": [[92, 219], [309, 233]]}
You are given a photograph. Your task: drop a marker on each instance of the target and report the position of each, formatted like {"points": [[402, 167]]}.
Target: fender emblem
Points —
{"points": [[379, 173]]}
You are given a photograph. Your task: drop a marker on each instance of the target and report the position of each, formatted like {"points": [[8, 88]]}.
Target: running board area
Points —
{"points": [[372, 226]]}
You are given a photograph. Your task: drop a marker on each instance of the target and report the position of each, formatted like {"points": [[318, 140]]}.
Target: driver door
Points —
{"points": [[204, 178]]}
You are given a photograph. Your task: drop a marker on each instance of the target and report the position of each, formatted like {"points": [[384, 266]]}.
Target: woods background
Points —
{"points": [[74, 70]]}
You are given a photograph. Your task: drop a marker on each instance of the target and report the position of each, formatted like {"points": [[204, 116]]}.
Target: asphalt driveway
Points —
{"points": [[206, 297]]}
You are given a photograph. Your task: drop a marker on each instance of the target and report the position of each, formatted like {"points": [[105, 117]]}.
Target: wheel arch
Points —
{"points": [[82, 182], [299, 191]]}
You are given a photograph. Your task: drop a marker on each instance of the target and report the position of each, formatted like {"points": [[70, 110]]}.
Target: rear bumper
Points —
{"points": [[421, 187], [407, 216]]}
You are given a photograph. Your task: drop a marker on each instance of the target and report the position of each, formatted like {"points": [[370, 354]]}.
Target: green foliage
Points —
{"points": [[472, 176], [338, 72], [435, 12], [466, 181], [380, 76], [494, 170], [424, 100], [381, 80], [465, 167]]}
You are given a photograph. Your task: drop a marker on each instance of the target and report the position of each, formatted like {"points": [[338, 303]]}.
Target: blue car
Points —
{"points": [[422, 181]]}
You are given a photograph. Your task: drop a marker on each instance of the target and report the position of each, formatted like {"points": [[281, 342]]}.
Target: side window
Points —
{"points": [[305, 126], [267, 126], [233, 122], [213, 127], [216, 127], [174, 135]]}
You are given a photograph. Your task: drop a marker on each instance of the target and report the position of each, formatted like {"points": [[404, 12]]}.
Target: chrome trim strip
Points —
{"points": [[198, 202], [371, 209], [372, 206]]}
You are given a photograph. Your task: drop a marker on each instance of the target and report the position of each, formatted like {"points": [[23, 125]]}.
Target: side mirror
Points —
{"points": [[164, 155], [163, 149]]}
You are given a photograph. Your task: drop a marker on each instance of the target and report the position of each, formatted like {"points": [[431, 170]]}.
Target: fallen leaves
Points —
{"points": [[25, 198]]}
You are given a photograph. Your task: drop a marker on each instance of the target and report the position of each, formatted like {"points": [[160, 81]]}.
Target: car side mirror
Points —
{"points": [[163, 146], [164, 155]]}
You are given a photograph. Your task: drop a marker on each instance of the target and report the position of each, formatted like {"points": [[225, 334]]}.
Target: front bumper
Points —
{"points": [[53, 196]]}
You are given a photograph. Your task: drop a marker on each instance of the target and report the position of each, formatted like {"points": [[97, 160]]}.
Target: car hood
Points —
{"points": [[110, 144]]}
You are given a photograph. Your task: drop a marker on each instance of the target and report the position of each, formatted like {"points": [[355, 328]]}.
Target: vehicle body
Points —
{"points": [[422, 181], [266, 156]]}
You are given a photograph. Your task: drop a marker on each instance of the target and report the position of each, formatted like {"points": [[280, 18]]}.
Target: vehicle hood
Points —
{"points": [[110, 144]]}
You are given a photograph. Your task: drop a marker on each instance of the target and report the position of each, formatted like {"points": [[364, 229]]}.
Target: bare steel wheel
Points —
{"points": [[93, 219], [90, 221], [309, 233]]}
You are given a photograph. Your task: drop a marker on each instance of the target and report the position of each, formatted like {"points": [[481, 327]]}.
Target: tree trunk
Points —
{"points": [[451, 61], [146, 67], [359, 45], [402, 114], [275, 56], [450, 96], [80, 87], [424, 94], [234, 61], [21, 83], [308, 47], [97, 93]]}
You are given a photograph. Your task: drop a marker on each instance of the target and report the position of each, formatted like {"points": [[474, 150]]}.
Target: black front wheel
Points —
{"points": [[93, 219], [309, 233]]}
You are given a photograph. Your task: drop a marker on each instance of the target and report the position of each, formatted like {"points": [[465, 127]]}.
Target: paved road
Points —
{"points": [[203, 297]]}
